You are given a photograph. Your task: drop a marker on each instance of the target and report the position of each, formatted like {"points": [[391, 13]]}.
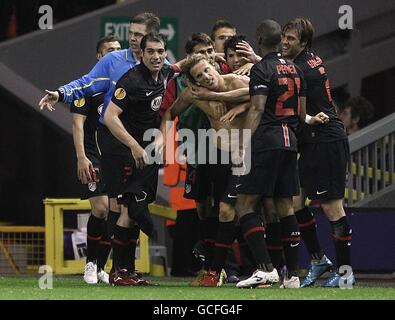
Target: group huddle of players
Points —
{"points": [[255, 190]]}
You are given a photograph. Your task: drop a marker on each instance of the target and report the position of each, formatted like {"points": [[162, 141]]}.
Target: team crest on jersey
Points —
{"points": [[155, 104], [79, 103], [92, 186], [100, 109], [120, 93]]}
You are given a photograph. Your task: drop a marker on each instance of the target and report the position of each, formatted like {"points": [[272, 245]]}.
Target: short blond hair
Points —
{"points": [[192, 61]]}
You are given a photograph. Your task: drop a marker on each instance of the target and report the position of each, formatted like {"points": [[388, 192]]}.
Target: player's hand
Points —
{"points": [[246, 50], [201, 93], [244, 70], [140, 156], [159, 144], [220, 57], [320, 118], [233, 113], [49, 100], [85, 170]]}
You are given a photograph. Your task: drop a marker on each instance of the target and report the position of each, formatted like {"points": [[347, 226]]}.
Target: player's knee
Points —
{"points": [[243, 208], [100, 208], [226, 213], [333, 209], [114, 206]]}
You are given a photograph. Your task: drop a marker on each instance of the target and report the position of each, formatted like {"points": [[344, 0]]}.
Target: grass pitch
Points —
{"points": [[73, 288]]}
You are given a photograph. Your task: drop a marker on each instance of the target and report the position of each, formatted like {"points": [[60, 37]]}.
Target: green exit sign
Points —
{"points": [[119, 27]]}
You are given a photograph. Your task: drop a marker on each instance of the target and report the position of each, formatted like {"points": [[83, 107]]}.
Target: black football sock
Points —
{"points": [[225, 236], [134, 236], [211, 229], [95, 230], [254, 233], [290, 237], [342, 235], [121, 246], [274, 244], [111, 222], [104, 249], [308, 232], [247, 258]]}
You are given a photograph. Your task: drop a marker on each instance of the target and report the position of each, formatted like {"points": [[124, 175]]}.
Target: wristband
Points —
{"points": [[308, 119], [61, 95]]}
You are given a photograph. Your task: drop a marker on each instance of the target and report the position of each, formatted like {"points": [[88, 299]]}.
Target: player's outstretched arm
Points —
{"points": [[237, 95], [49, 100]]}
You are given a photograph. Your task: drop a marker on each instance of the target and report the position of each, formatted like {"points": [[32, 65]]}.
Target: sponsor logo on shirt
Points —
{"points": [[155, 103]]}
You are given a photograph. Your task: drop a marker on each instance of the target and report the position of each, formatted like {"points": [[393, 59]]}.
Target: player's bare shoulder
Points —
{"points": [[235, 81]]}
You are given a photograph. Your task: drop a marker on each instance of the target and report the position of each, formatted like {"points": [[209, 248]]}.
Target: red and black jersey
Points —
{"points": [[283, 84], [319, 99], [140, 98], [91, 107]]}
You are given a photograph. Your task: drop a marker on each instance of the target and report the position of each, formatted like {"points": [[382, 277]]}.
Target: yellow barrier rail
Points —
{"points": [[54, 240]]}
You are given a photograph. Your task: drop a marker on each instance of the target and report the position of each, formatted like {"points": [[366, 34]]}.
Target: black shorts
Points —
{"points": [[114, 158], [273, 174], [322, 169], [139, 184], [212, 180], [197, 183]]}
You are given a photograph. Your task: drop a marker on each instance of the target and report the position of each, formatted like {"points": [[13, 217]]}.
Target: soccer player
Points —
{"points": [[324, 153], [278, 101], [234, 59], [102, 78], [193, 118], [134, 108], [86, 114], [221, 31], [201, 72]]}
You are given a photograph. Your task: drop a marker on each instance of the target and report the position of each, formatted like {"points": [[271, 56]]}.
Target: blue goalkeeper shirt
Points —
{"points": [[102, 78]]}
